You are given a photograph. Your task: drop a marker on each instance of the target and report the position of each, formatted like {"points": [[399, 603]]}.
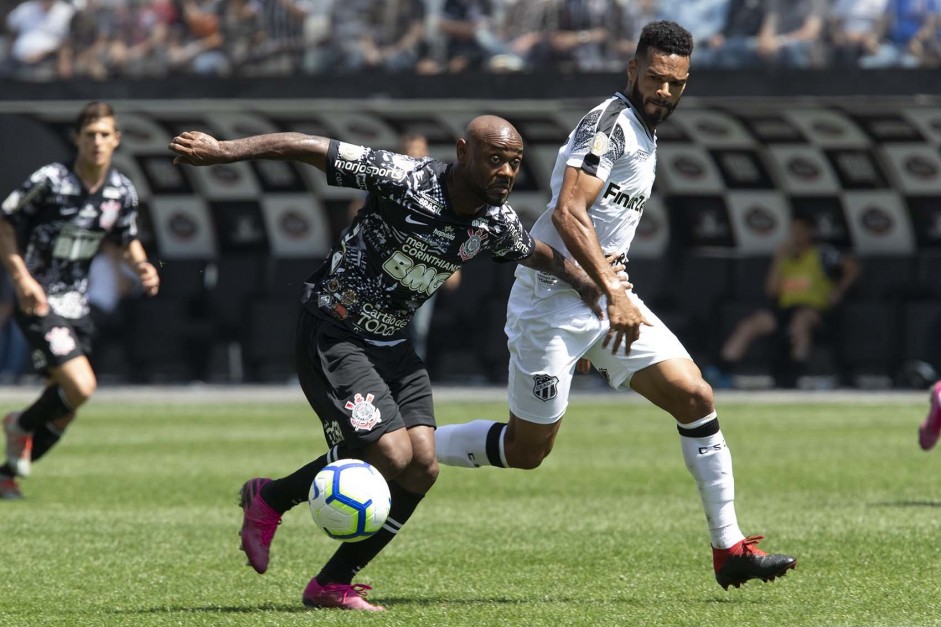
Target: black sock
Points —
{"points": [[702, 431], [44, 438], [50, 406], [352, 557], [283, 494], [6, 471], [494, 436]]}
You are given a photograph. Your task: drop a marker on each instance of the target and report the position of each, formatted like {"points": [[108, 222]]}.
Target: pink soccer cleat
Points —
{"points": [[930, 429], [19, 445], [344, 596], [744, 560], [258, 524]]}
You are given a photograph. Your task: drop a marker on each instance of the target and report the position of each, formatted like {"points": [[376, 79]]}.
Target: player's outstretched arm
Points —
{"points": [[196, 148], [570, 218]]}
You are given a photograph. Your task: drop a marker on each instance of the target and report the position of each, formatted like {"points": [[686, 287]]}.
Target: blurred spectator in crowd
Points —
{"points": [[14, 351], [242, 34], [104, 39], [736, 45], [467, 38], [283, 46], [933, 45], [145, 38], [221, 37], [805, 282], [791, 33], [631, 17], [576, 36], [852, 29], [196, 43], [93, 45], [521, 26], [318, 36], [39, 28], [705, 19], [387, 35], [906, 30]]}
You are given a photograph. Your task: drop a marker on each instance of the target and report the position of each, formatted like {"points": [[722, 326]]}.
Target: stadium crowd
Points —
{"points": [[141, 39]]}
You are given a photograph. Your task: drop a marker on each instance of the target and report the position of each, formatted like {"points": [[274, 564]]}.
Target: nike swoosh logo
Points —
{"points": [[411, 220]]}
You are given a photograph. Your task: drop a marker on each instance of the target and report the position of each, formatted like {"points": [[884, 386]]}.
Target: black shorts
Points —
{"points": [[54, 340], [359, 391]]}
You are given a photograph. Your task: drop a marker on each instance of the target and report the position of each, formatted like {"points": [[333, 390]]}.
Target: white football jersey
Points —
{"points": [[613, 144]]}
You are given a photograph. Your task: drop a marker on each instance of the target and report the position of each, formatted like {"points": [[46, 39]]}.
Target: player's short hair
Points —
{"points": [[665, 36], [92, 112]]}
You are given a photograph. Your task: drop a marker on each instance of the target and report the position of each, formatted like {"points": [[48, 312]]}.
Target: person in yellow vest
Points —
{"points": [[805, 282]]}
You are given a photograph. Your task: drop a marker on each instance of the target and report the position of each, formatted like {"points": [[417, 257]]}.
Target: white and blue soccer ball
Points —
{"points": [[349, 500]]}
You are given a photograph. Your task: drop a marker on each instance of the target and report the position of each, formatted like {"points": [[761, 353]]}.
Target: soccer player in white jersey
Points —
{"points": [[603, 176]]}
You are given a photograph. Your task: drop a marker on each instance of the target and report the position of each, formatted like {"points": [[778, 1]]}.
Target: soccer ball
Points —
{"points": [[349, 499]]}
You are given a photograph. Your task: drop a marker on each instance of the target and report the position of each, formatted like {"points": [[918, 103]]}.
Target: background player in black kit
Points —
{"points": [[421, 221], [50, 228]]}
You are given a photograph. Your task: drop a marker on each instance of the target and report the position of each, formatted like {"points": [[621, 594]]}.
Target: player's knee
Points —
{"points": [[698, 399], [422, 475], [418, 476], [392, 461], [79, 390]]}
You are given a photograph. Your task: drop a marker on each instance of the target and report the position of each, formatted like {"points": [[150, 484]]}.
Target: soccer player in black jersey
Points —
{"points": [[421, 221], [50, 228]]}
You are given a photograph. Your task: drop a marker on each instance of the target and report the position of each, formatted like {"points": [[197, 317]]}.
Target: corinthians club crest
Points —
{"points": [[472, 244], [545, 387], [365, 415]]}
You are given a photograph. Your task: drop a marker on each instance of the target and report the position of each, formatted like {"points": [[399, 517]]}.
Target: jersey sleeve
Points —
{"points": [[597, 142], [25, 199], [513, 241], [379, 171]]}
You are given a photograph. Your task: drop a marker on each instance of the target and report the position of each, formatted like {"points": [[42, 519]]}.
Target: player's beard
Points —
{"points": [[655, 120]]}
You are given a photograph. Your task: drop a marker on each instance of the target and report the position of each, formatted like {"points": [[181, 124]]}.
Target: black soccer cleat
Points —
{"points": [[743, 561]]}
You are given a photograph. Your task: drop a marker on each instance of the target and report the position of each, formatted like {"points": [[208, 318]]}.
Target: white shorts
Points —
{"points": [[547, 334]]}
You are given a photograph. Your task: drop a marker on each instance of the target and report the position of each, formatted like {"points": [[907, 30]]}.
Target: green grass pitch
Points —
{"points": [[133, 521]]}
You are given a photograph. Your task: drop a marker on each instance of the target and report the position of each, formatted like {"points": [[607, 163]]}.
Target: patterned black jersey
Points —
{"points": [[404, 243], [60, 225]]}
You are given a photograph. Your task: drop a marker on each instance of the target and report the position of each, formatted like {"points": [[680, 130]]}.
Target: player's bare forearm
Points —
{"points": [[195, 148], [571, 220], [545, 258], [548, 259], [29, 293], [136, 257], [10, 253]]}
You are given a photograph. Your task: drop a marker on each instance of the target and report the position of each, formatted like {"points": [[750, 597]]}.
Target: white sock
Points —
{"points": [[710, 462], [471, 444]]}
